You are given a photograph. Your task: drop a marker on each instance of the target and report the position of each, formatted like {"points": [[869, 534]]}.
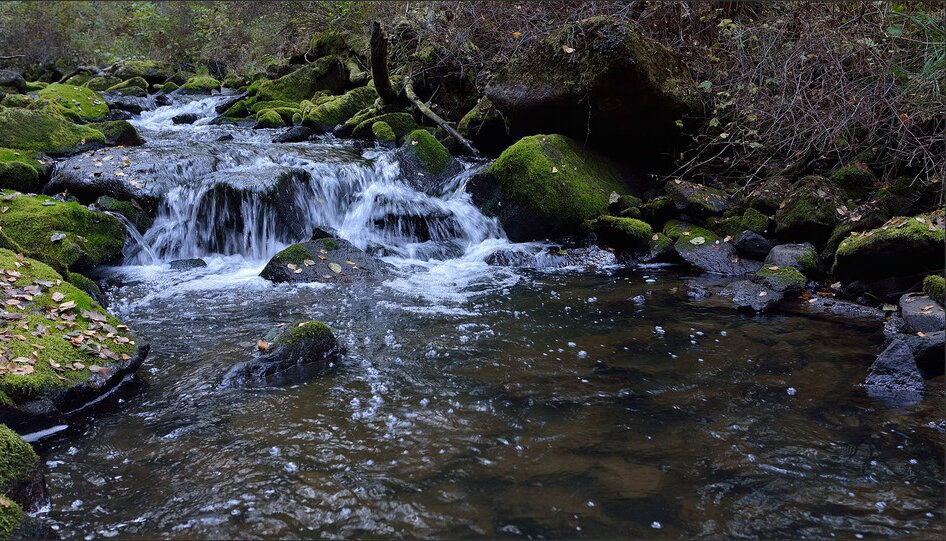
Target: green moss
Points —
{"points": [[101, 84], [382, 132], [731, 226], [201, 83], [329, 244], [324, 74], [284, 113], [809, 212], [428, 150], [16, 100], [91, 237], [910, 231], [658, 210], [675, 228], [138, 217], [935, 287], [19, 170], [134, 82], [854, 180], [340, 109], [36, 86], [17, 462], [555, 177], [308, 331], [240, 109], [661, 243], [254, 86], [269, 119], [118, 132], [150, 70], [85, 102], [682, 233], [54, 345], [233, 81], [400, 123], [296, 118], [297, 253], [258, 106], [43, 131], [755, 221], [623, 233], [781, 278], [79, 79]]}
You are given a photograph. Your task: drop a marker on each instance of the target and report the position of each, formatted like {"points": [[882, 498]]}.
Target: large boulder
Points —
{"points": [[327, 73], [894, 378], [905, 246], [151, 71], [486, 128], [704, 250], [697, 200], [921, 314], [337, 110], [545, 186], [76, 351], [45, 131], [119, 132], [425, 162], [21, 170], [601, 79], [22, 485], [200, 84], [325, 259], [302, 350], [12, 80], [63, 235], [810, 211], [628, 234]]}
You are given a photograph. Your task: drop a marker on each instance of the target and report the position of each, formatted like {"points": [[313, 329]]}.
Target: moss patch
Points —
{"points": [[101, 84], [902, 246], [138, 217], [329, 244], [935, 287], [258, 106], [623, 233], [308, 331], [118, 132], [44, 131], [401, 124], [297, 253], [16, 100], [134, 82], [809, 213], [269, 119], [429, 152], [854, 180], [17, 462], [240, 109], [382, 132], [19, 170], [201, 83], [86, 103], [85, 284], [781, 278], [327, 73], [90, 238], [338, 110]]}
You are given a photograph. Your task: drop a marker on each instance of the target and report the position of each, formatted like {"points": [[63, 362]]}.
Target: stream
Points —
{"points": [[544, 398]]}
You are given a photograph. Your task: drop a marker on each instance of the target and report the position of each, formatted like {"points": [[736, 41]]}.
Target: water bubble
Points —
{"points": [[291, 467], [72, 451], [591, 503], [77, 504], [722, 333], [659, 330], [582, 354], [913, 461], [424, 402], [592, 299], [571, 345], [656, 525], [790, 391], [639, 299]]}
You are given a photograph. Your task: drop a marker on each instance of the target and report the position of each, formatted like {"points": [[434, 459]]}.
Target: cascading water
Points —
{"points": [[249, 197]]}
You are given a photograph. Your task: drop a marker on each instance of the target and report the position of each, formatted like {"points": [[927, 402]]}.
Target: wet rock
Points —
{"points": [[836, 310], [225, 137], [702, 249], [626, 234], [809, 212], [229, 102], [187, 264], [185, 118], [120, 173], [752, 244], [751, 297], [617, 90], [425, 162], [301, 351], [132, 104], [486, 128], [135, 215], [802, 257], [785, 280], [322, 260], [119, 132], [769, 194], [294, 135], [894, 377], [118, 114], [554, 257], [697, 200], [905, 246], [921, 314], [46, 131]]}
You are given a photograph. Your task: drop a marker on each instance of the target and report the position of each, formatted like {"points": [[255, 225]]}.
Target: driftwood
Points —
{"points": [[429, 113], [11, 57], [379, 65]]}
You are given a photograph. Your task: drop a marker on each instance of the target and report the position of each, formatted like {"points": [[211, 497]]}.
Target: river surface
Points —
{"points": [[535, 400]]}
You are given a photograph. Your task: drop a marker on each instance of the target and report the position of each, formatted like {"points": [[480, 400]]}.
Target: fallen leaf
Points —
{"points": [[335, 267], [656, 236], [517, 35], [67, 305], [567, 49], [773, 267], [97, 369], [308, 262], [697, 240], [262, 345]]}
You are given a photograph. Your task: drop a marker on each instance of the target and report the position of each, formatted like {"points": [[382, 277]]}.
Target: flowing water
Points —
{"points": [[538, 400]]}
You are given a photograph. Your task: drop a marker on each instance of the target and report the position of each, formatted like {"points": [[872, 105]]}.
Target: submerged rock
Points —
{"points": [[301, 351], [187, 264], [751, 297], [322, 260], [185, 118], [894, 377], [75, 354]]}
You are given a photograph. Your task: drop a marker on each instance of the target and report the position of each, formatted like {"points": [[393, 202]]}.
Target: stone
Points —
{"points": [[299, 352], [921, 314], [753, 245], [802, 257]]}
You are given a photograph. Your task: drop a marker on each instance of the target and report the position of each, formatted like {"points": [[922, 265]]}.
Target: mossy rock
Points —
{"points": [[658, 210], [383, 133], [169, 87], [240, 109], [101, 84], [233, 81], [66, 385], [203, 84], [138, 217], [855, 180], [152, 71], [336, 42], [780, 279], [486, 128], [269, 119], [257, 106], [809, 213], [934, 286], [751, 220], [18, 462], [45, 131], [549, 184], [426, 150], [697, 200], [134, 82], [255, 85], [87, 285], [327, 73], [133, 91], [401, 124], [20, 170], [904, 246], [16, 100], [305, 332], [88, 104], [623, 233], [79, 79], [36, 86], [90, 237], [338, 110], [119, 132], [302, 350], [802, 257]]}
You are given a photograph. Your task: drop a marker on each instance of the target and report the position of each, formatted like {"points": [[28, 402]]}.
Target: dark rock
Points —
{"points": [[617, 90], [140, 219], [751, 297], [486, 128], [752, 244], [715, 257], [769, 194], [907, 247], [554, 257], [425, 162], [697, 200], [130, 104], [118, 114], [119, 132], [894, 377], [809, 212], [294, 135], [802, 257], [303, 263], [303, 350], [187, 264], [185, 118], [836, 310], [229, 102], [13, 80], [225, 137], [921, 313]]}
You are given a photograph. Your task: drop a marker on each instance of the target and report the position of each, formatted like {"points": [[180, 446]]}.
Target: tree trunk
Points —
{"points": [[379, 65], [429, 113]]}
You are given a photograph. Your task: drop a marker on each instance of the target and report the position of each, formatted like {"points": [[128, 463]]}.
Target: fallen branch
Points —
{"points": [[12, 57], [429, 113]]}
